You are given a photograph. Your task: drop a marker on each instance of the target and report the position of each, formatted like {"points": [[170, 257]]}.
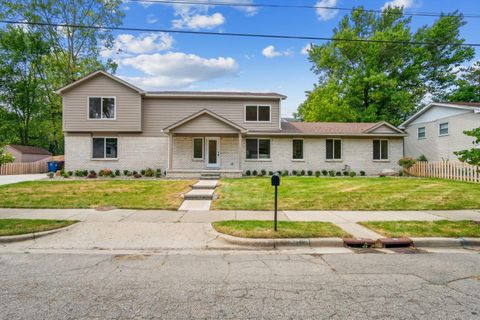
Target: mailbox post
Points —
{"points": [[275, 183]]}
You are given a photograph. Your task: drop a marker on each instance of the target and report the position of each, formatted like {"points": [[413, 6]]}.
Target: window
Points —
{"points": [[101, 108], [297, 152], [334, 149], [258, 149], [257, 113], [105, 148], [443, 129], [380, 149], [198, 148], [421, 133]]}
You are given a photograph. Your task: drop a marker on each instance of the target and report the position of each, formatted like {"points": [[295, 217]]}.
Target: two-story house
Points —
{"points": [[109, 123], [436, 131]]}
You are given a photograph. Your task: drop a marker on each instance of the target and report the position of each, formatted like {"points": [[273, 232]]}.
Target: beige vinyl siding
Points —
{"points": [[128, 107], [205, 123], [159, 113]]}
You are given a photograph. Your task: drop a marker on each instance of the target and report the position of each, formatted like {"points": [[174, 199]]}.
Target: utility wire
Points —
{"points": [[291, 6], [232, 34]]}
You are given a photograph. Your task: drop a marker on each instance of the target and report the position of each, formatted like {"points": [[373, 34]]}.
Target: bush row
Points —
{"points": [[299, 173], [90, 174]]}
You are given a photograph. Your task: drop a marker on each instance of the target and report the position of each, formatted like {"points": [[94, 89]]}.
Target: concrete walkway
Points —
{"points": [[9, 179], [201, 196]]}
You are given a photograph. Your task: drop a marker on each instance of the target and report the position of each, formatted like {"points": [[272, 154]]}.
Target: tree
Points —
{"points": [[74, 50], [21, 89], [383, 81], [471, 156], [5, 157], [467, 86]]}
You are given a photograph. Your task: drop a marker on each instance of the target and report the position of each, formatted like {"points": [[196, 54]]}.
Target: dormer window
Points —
{"points": [[257, 113], [101, 108]]}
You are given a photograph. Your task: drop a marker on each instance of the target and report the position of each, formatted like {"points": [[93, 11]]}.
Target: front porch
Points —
{"points": [[204, 143]]}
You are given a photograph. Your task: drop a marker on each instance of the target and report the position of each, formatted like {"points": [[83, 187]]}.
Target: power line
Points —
{"points": [[232, 34], [291, 6]]}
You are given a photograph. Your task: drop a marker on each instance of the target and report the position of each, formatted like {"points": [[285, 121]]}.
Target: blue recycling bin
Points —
{"points": [[52, 166]]}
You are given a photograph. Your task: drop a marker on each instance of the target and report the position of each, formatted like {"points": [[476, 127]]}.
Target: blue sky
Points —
{"points": [[157, 61]]}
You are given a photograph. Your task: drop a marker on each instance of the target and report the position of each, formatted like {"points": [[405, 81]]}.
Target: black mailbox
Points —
{"points": [[275, 179]]}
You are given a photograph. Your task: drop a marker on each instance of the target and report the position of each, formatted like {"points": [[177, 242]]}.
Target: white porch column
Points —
{"points": [[170, 151], [240, 151]]}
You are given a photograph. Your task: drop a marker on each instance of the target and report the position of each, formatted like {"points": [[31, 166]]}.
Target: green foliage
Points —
{"points": [[407, 162], [5, 157], [422, 158], [382, 81], [467, 86], [317, 174], [352, 174], [149, 172], [471, 156]]}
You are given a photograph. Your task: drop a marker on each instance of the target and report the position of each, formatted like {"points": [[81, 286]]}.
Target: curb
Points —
{"points": [[445, 242], [34, 235], [282, 242]]}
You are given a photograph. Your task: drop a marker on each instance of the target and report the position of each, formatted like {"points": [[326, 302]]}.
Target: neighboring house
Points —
{"points": [[27, 153], [109, 123], [436, 131]]}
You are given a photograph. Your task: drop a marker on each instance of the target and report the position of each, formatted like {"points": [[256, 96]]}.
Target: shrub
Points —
{"points": [[117, 172], [407, 162], [158, 174], [362, 173], [254, 173], [310, 172], [352, 174], [302, 173], [112, 175], [270, 173], [70, 173], [51, 174], [148, 173], [285, 173], [79, 173], [62, 172], [331, 173], [134, 172], [317, 173], [294, 172], [422, 158], [324, 172], [91, 175], [248, 173], [126, 172], [345, 173], [338, 173], [142, 172], [263, 172], [137, 175], [104, 172], [382, 175], [85, 173], [400, 173]]}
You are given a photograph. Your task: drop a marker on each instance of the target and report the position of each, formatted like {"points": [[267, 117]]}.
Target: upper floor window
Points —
{"points": [[101, 107], [258, 149], [105, 148], [421, 133], [380, 149], [443, 129], [297, 152], [334, 149], [257, 113]]}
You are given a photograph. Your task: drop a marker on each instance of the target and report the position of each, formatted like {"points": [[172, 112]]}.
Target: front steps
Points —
{"points": [[201, 195], [209, 176]]}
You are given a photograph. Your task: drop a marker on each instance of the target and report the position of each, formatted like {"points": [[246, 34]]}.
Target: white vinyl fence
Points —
{"points": [[453, 170]]}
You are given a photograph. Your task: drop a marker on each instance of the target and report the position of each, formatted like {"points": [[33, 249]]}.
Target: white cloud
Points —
{"points": [[151, 19], [177, 69], [305, 50], [399, 3], [199, 21], [324, 13], [270, 52], [128, 44]]}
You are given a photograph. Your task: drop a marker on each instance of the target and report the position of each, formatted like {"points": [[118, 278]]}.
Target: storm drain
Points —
{"points": [[395, 242], [358, 242]]}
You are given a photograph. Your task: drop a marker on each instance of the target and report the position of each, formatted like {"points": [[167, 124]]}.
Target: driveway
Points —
{"points": [[21, 177]]}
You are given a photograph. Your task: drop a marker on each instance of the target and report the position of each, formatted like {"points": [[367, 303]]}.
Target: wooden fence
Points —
{"points": [[24, 168], [453, 170]]}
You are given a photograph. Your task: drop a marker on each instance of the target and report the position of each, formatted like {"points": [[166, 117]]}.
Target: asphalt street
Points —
{"points": [[239, 284]]}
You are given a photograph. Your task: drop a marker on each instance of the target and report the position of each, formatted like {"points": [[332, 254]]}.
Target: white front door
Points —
{"points": [[212, 160]]}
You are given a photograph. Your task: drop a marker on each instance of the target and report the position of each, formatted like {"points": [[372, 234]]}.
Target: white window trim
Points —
{"points": [[448, 128], [104, 149], [303, 150], [388, 151], [258, 148], [101, 107], [257, 105], [341, 153], [418, 133], [193, 149]]}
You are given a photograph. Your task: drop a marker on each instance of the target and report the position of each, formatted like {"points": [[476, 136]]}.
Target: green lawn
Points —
{"points": [[310, 193], [9, 227], [286, 229], [164, 194], [442, 228]]}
